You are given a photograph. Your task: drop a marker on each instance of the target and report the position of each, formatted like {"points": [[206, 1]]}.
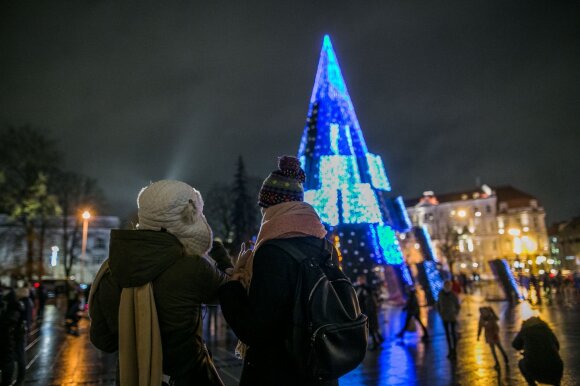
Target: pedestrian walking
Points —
{"points": [[448, 307], [146, 299], [541, 361], [258, 303], [488, 322], [369, 304], [13, 333], [413, 312]]}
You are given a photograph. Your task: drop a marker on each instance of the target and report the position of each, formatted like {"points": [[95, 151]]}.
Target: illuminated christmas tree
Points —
{"points": [[348, 185]]}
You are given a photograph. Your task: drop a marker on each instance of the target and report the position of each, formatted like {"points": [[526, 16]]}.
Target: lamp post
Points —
{"points": [[86, 216]]}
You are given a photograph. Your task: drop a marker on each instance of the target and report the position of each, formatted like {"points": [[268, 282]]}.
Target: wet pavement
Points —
{"points": [[56, 358]]}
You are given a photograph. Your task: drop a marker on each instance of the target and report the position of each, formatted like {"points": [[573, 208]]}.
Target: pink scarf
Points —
{"points": [[283, 221]]}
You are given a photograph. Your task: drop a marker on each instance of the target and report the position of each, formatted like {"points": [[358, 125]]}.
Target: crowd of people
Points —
{"points": [[22, 307], [536, 341], [564, 289], [17, 313]]}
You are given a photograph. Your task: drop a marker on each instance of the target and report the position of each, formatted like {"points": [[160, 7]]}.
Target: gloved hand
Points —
{"points": [[221, 256]]}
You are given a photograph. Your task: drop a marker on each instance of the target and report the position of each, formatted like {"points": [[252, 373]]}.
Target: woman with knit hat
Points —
{"points": [[257, 302], [146, 299]]}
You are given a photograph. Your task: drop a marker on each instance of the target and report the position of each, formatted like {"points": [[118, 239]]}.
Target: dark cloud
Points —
{"points": [[445, 92]]}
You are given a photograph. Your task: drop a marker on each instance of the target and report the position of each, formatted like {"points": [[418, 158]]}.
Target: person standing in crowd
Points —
{"points": [[448, 307], [541, 361], [413, 312], [41, 296], [546, 283], [258, 301], [455, 285], [535, 282], [369, 304], [154, 284], [72, 316], [27, 305], [488, 322], [12, 337], [11, 327], [23, 296], [464, 281]]}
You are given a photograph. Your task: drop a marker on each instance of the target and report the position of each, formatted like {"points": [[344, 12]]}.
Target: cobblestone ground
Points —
{"points": [[55, 358]]}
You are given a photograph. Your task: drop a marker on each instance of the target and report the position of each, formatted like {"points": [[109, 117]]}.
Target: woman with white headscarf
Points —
{"points": [[146, 299]]}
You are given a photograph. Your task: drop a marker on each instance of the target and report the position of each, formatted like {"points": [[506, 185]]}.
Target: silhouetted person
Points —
{"points": [[448, 307], [488, 323], [412, 308], [541, 362], [12, 335], [23, 297], [367, 299], [41, 296], [72, 316]]}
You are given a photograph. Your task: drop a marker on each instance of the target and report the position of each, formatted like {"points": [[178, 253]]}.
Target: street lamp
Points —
{"points": [[86, 216]]}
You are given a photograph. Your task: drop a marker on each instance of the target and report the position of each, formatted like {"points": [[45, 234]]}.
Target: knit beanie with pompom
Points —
{"points": [[176, 207], [284, 184]]}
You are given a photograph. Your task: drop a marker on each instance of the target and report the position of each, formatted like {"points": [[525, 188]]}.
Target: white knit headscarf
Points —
{"points": [[178, 208]]}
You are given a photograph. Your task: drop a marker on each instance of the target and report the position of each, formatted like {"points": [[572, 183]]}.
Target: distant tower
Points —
{"points": [[345, 183]]}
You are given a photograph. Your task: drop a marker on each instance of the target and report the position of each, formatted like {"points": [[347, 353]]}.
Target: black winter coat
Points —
{"points": [[262, 318], [540, 347], [181, 284], [12, 327]]}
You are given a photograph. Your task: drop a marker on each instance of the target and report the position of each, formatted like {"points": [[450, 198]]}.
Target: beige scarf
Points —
{"points": [[286, 220], [140, 348]]}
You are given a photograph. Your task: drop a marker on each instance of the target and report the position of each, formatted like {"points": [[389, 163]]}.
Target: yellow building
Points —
{"points": [[472, 227]]}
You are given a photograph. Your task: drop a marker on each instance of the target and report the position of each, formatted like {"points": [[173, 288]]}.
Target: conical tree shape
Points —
{"points": [[345, 183]]}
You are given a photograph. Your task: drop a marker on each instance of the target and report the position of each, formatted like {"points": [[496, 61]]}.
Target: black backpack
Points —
{"points": [[329, 333]]}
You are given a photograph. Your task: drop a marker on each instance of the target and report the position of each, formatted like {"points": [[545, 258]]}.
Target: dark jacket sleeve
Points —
{"points": [[104, 312], [221, 256], [257, 317], [208, 280]]}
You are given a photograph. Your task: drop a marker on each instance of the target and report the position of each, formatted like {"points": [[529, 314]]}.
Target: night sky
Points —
{"points": [[445, 92]]}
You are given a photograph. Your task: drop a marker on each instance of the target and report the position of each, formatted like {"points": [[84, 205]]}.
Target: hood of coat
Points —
{"points": [[137, 257], [534, 324]]}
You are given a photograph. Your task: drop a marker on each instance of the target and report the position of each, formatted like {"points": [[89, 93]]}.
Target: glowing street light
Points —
{"points": [[462, 213], [86, 216]]}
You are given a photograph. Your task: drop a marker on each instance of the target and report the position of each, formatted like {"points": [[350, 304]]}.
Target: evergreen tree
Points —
{"points": [[218, 210], [244, 210]]}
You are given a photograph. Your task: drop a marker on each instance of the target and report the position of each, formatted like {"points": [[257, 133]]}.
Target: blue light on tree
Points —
{"points": [[344, 181]]}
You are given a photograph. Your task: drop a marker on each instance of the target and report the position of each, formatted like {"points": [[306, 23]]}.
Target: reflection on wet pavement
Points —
{"points": [[56, 358]]}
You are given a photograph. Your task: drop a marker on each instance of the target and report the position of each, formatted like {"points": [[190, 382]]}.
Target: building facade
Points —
{"points": [[565, 243], [84, 268], [472, 227]]}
